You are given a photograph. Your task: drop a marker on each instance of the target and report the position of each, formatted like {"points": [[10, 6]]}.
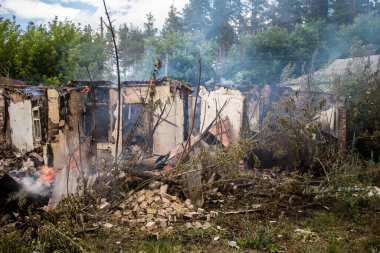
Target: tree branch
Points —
{"points": [[112, 30]]}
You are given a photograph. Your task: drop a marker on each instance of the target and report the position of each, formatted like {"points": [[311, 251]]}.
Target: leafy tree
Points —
{"points": [[173, 22], [224, 14], [362, 7], [365, 28], [365, 117], [343, 11], [375, 7], [222, 17], [290, 13], [346, 11], [262, 57], [237, 17], [37, 58], [63, 36], [9, 42], [90, 52], [197, 16], [183, 51], [317, 10], [361, 87], [149, 29], [328, 34], [131, 45], [184, 60], [258, 11], [58, 52], [305, 41], [271, 43]]}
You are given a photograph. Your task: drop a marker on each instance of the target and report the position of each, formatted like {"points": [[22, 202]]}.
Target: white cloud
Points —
{"points": [[159, 9], [122, 11], [134, 11], [34, 9]]}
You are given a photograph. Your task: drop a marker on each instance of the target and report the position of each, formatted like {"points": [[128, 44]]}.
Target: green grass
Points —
{"points": [[156, 246], [262, 240], [332, 246]]}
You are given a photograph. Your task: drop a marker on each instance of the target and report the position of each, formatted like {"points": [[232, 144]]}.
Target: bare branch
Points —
{"points": [[112, 30]]}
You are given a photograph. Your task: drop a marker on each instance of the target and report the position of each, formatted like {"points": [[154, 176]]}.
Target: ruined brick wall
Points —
{"points": [[2, 119]]}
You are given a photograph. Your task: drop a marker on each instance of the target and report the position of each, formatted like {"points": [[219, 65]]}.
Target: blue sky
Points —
{"points": [[88, 11]]}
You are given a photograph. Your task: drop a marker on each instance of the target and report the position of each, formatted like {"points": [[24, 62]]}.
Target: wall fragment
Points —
{"points": [[69, 148], [169, 114], [20, 119], [213, 101], [169, 132]]}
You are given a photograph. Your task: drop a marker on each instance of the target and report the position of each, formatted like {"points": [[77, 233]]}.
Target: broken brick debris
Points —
{"points": [[154, 208]]}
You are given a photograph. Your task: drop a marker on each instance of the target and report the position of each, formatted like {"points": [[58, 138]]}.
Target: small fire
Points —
{"points": [[85, 89], [47, 173]]}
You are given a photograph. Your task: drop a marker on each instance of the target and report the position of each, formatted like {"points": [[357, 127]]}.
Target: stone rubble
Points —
{"points": [[154, 208]]}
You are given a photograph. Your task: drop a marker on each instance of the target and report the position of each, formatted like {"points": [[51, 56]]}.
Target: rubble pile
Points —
{"points": [[13, 161], [23, 176], [154, 208]]}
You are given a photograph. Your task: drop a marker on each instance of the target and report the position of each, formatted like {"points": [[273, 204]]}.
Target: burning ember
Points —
{"points": [[85, 89], [47, 173]]}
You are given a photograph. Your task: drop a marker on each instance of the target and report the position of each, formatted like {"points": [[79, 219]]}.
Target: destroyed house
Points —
{"points": [[47, 118], [156, 115], [156, 112], [326, 78], [246, 107]]}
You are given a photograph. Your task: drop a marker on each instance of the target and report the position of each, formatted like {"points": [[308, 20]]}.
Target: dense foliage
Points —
{"points": [[245, 41], [50, 53]]}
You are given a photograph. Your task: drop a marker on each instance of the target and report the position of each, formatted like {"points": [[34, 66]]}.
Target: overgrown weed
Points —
{"points": [[349, 181], [156, 246], [258, 237], [263, 239], [52, 232], [332, 246]]}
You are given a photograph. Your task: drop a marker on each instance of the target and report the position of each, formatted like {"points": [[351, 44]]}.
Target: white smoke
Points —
{"points": [[35, 185]]}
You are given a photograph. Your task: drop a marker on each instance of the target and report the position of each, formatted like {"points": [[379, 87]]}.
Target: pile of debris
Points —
{"points": [[12, 160], [23, 176], [154, 208]]}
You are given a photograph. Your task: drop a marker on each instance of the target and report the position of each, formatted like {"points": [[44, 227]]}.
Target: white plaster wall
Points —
{"points": [[328, 121], [20, 119], [169, 132], [213, 101], [133, 95]]}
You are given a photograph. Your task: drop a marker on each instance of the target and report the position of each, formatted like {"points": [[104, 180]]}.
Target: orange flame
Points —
{"points": [[85, 89], [47, 173]]}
